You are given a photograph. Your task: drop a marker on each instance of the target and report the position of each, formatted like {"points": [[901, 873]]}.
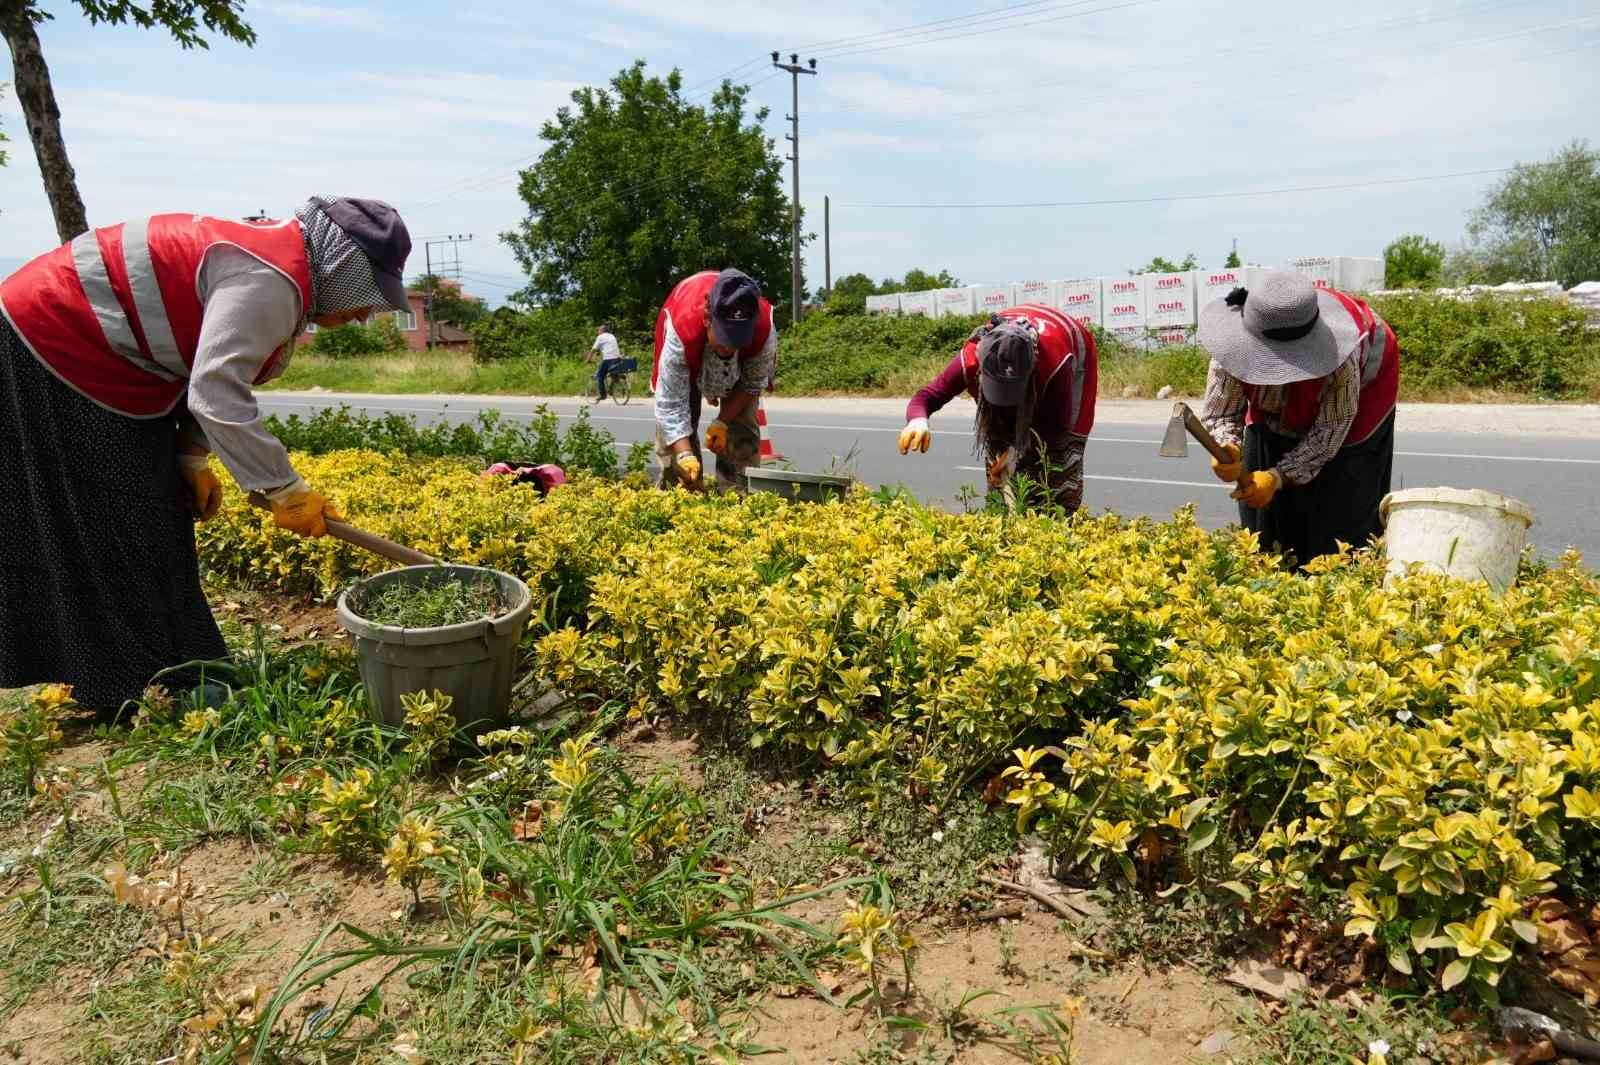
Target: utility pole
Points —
{"points": [[795, 70], [827, 248], [452, 241]]}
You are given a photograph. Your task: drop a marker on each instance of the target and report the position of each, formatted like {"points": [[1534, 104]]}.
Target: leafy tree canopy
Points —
{"points": [[639, 188], [450, 304], [1541, 222], [1413, 261], [1233, 259], [181, 18], [850, 292], [1162, 265]]}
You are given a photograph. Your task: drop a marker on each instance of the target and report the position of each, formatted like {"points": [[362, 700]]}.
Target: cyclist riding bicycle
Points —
{"points": [[610, 357]]}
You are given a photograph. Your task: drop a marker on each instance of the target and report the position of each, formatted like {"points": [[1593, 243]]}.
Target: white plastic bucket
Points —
{"points": [[1460, 532]]}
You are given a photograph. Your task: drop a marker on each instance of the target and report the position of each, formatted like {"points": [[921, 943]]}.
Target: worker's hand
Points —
{"points": [[1231, 470], [717, 437], [997, 469], [300, 510], [688, 468], [1259, 488], [205, 488], [915, 436]]}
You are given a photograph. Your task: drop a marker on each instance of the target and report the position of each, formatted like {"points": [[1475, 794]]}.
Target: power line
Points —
{"points": [[987, 29], [1278, 97], [915, 26], [1190, 196], [1186, 61]]}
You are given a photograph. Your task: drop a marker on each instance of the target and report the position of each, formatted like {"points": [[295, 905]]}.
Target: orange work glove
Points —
{"points": [[1259, 489], [205, 488], [717, 437], [1231, 470], [915, 437], [688, 469], [997, 469], [300, 510]]}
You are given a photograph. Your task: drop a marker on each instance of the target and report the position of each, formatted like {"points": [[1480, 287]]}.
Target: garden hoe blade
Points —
{"points": [[1175, 445]]}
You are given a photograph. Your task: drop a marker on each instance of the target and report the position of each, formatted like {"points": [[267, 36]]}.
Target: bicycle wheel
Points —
{"points": [[621, 388], [590, 390]]}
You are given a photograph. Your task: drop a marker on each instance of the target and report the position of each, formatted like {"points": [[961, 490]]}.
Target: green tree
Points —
{"points": [[447, 303], [1413, 261], [181, 18], [639, 188], [1233, 260], [1541, 222], [1162, 265], [921, 281], [849, 294]]}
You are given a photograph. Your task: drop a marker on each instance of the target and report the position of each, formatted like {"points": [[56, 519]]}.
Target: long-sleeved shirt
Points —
{"points": [[1053, 416], [718, 377], [250, 311], [1226, 402]]}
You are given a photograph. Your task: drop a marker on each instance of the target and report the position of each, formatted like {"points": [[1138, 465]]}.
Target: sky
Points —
{"points": [[924, 121]]}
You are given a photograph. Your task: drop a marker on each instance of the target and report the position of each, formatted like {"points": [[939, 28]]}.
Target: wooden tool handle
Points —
{"points": [[367, 541], [1198, 431], [378, 545]]}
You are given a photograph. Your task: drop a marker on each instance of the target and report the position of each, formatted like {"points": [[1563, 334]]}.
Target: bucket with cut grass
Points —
{"points": [[452, 629]]}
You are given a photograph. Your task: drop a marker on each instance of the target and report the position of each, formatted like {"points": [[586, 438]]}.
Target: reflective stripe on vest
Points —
{"points": [[147, 301], [88, 260]]}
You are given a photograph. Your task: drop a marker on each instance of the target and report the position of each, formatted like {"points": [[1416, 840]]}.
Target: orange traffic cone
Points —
{"points": [[767, 452]]}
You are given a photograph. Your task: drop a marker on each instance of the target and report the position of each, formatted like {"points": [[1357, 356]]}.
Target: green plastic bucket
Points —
{"points": [[472, 662], [792, 484]]}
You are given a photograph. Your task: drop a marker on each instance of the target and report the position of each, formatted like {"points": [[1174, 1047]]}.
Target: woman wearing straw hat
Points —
{"points": [[1302, 394]]}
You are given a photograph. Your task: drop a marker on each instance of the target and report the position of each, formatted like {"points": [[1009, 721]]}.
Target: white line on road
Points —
{"points": [[775, 426]]}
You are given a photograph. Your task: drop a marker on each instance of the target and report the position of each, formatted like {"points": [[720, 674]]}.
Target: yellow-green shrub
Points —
{"points": [[1184, 710]]}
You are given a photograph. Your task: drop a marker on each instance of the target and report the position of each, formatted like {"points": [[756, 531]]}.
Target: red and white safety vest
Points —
{"points": [[1064, 343], [686, 310], [1380, 381], [116, 313]]}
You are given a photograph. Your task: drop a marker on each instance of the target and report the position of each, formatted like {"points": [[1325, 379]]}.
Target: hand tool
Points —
{"points": [[378, 545]]}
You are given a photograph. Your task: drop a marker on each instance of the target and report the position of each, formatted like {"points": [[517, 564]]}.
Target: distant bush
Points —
{"points": [[583, 446], [854, 353], [1539, 346], [377, 337], [561, 331]]}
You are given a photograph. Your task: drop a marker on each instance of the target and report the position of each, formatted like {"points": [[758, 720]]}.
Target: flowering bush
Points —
{"points": [[1182, 711]]}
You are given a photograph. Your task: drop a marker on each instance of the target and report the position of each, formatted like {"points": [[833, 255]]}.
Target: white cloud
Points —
{"points": [[321, 14]]}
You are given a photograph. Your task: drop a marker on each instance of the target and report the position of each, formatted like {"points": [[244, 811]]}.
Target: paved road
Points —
{"points": [[1559, 476]]}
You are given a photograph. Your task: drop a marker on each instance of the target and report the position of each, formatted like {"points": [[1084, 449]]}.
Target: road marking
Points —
{"points": [[1130, 480], [269, 401]]}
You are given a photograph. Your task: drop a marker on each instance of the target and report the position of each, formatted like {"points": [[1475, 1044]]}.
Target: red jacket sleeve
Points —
{"points": [[950, 383]]}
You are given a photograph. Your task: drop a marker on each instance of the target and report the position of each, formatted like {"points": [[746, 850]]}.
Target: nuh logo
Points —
{"points": [[1080, 297], [1222, 279], [1170, 282], [1122, 287], [1175, 307], [1124, 309]]}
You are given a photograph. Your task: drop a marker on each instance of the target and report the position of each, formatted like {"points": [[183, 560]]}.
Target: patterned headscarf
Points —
{"points": [[341, 273]]}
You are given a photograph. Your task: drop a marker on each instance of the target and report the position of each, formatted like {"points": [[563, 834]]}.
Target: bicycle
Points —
{"points": [[619, 384]]}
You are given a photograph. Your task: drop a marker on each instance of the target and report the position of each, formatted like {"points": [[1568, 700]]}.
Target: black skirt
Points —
{"points": [[99, 583], [1339, 505]]}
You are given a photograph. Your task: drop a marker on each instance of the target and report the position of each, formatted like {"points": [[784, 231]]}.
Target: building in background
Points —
{"points": [[422, 332]]}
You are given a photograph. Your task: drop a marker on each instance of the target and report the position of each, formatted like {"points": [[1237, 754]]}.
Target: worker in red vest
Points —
{"points": [[1033, 372], [1302, 393], [126, 358], [715, 340]]}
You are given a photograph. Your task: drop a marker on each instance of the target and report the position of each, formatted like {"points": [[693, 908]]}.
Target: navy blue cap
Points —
{"points": [[378, 231], [735, 304], [1005, 362]]}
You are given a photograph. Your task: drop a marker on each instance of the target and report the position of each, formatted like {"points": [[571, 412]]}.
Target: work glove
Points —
{"points": [[1259, 488], [717, 437], [997, 469], [205, 488], [688, 468], [300, 510], [915, 436], [1231, 470]]}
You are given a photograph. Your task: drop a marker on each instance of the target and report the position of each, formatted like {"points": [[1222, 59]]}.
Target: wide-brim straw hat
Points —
{"points": [[1281, 330]]}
